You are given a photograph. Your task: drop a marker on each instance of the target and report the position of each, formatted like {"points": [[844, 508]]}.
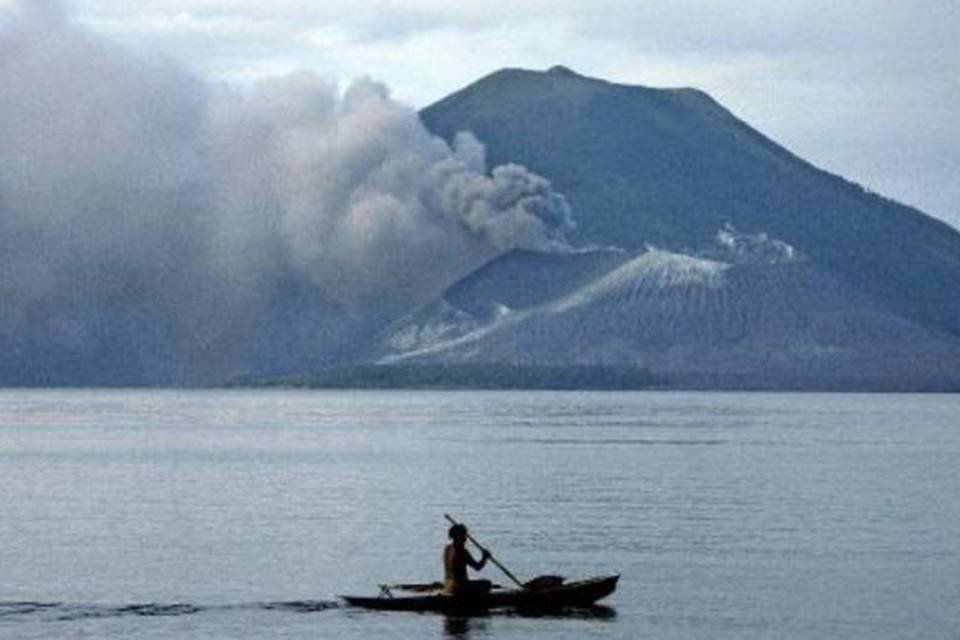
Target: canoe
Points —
{"points": [[580, 593]]}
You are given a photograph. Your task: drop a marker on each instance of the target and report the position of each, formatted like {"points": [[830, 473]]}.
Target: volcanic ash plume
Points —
{"points": [[145, 214]]}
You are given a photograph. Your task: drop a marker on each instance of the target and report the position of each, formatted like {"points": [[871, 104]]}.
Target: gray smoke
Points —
{"points": [[154, 226]]}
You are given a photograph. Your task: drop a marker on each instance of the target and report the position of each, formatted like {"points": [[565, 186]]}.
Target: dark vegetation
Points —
{"points": [[461, 376]]}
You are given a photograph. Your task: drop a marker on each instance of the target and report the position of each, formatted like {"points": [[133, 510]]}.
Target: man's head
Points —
{"points": [[458, 533]]}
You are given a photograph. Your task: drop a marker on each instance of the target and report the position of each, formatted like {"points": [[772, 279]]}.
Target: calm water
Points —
{"points": [[242, 514]]}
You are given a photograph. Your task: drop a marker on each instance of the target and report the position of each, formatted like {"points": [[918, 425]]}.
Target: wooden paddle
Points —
{"points": [[487, 551]]}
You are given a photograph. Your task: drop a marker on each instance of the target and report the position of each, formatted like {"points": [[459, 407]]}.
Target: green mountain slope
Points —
{"points": [[671, 166]]}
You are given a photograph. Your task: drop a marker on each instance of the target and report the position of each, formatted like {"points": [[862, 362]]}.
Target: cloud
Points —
{"points": [[854, 87], [154, 226]]}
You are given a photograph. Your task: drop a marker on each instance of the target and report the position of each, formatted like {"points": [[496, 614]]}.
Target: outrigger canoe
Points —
{"points": [[550, 596]]}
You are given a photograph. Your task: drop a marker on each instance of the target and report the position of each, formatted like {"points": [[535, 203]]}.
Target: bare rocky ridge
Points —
{"points": [[742, 318]]}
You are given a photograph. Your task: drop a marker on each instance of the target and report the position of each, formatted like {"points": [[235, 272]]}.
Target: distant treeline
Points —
{"points": [[461, 376]]}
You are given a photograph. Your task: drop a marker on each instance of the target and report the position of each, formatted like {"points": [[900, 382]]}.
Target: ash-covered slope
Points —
{"points": [[513, 282], [669, 167], [731, 320]]}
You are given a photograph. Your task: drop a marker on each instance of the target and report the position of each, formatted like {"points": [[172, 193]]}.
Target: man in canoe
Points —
{"points": [[456, 558]]}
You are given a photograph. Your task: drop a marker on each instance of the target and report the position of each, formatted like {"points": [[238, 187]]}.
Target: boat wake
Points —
{"points": [[66, 611]]}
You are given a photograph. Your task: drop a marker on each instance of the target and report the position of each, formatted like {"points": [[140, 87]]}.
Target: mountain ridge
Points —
{"points": [[692, 321], [668, 167]]}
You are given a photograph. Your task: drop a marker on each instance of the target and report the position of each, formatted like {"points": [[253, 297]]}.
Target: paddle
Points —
{"points": [[490, 555]]}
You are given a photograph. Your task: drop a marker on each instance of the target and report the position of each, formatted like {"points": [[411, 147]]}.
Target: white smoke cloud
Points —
{"points": [[745, 248], [145, 214]]}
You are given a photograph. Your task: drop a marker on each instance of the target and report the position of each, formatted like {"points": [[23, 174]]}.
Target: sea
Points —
{"points": [[242, 514]]}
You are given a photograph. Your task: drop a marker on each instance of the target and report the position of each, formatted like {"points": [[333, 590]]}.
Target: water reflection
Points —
{"points": [[461, 628], [597, 612], [465, 627]]}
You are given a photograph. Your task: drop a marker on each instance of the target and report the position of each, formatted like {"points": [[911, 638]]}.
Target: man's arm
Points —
{"points": [[474, 563]]}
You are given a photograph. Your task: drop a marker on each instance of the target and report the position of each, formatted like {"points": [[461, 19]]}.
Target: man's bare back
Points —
{"points": [[456, 559]]}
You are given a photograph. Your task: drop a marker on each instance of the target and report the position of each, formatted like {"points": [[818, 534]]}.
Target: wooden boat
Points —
{"points": [[547, 595]]}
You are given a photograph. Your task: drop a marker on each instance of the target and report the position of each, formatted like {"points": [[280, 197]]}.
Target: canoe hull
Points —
{"points": [[581, 593]]}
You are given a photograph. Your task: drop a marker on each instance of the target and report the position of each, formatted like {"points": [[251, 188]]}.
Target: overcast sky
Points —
{"points": [[869, 89]]}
